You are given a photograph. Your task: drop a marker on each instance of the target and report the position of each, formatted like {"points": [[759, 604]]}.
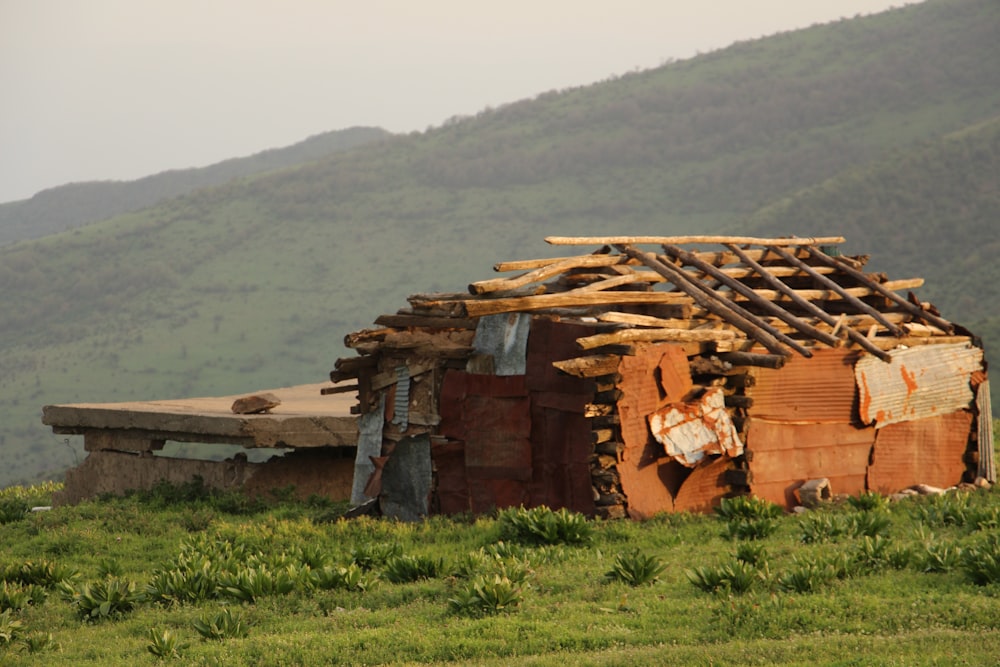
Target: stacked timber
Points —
{"points": [[740, 305]]}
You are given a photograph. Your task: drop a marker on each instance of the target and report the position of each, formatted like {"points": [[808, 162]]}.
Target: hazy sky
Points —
{"points": [[119, 89]]}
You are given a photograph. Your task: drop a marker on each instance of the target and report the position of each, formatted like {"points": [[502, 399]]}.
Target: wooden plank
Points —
{"points": [[479, 308], [654, 335], [680, 240], [843, 293], [543, 273], [407, 320], [591, 366]]}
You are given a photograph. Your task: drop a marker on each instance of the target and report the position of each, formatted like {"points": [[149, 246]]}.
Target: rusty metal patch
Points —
{"points": [[813, 390], [783, 456], [691, 431], [550, 341], [674, 372], [925, 451], [919, 382], [704, 487]]}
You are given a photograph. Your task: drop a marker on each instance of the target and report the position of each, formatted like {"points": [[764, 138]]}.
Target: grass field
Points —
{"points": [[186, 576]]}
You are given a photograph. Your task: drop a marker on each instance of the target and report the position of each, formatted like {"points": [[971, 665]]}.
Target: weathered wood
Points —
{"points": [[804, 303], [600, 435], [566, 299], [830, 284], [753, 359], [766, 305], [635, 320], [338, 389], [680, 240], [609, 283], [654, 335], [884, 290], [844, 293], [597, 409], [543, 273], [588, 367], [366, 336], [407, 320], [738, 401], [711, 301]]}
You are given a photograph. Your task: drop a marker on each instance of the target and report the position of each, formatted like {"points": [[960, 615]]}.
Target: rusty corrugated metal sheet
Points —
{"points": [[691, 431], [924, 451], [782, 456], [704, 487], [641, 393], [550, 341], [919, 382], [674, 372], [817, 390]]}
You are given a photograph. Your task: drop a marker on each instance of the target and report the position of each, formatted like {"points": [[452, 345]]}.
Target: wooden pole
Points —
{"points": [[913, 309], [830, 284], [808, 306], [765, 305], [681, 240], [708, 299]]}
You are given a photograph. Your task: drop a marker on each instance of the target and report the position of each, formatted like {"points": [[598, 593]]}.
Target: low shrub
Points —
{"points": [[108, 598], [404, 569], [223, 625], [541, 525], [487, 595], [636, 569], [165, 643]]}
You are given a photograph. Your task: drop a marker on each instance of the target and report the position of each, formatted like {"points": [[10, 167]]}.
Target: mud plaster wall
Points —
{"points": [[322, 472]]}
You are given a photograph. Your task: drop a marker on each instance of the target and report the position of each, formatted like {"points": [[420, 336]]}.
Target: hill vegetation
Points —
{"points": [[67, 206], [252, 284]]}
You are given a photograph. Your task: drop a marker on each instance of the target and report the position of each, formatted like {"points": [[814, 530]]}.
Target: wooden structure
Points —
{"points": [[661, 374], [122, 439]]}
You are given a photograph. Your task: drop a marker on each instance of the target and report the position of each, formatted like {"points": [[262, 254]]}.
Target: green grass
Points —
{"points": [[831, 602]]}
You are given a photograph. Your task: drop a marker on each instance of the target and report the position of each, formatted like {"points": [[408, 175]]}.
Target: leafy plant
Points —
{"points": [[487, 595], [44, 573], [36, 642], [872, 553], [350, 577], [981, 564], [635, 568], [541, 525], [750, 529], [736, 577], [11, 629], [17, 597], [806, 577], [109, 567], [165, 643], [404, 569], [941, 557], [752, 553], [12, 509], [821, 527], [370, 556], [868, 524], [222, 625], [868, 501], [747, 508], [251, 583], [107, 598]]}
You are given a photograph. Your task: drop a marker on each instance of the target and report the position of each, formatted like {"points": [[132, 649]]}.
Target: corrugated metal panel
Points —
{"points": [[704, 487], [817, 390], [925, 451], [690, 431], [919, 382], [505, 338], [452, 491], [782, 456], [406, 480], [674, 372], [550, 341], [401, 398], [560, 455], [987, 467], [640, 393], [369, 445]]}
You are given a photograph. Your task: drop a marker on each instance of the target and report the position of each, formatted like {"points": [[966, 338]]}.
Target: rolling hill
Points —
{"points": [[253, 283], [56, 209]]}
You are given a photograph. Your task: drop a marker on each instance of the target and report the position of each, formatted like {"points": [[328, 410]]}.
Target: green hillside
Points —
{"points": [[253, 284], [67, 206], [932, 211]]}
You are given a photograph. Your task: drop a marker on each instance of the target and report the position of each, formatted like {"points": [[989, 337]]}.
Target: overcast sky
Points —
{"points": [[119, 89]]}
